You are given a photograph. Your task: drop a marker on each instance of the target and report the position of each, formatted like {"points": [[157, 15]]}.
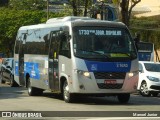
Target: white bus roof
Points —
{"points": [[68, 18]]}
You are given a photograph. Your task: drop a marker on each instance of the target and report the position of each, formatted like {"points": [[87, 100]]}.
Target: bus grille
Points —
{"points": [[109, 86], [109, 75]]}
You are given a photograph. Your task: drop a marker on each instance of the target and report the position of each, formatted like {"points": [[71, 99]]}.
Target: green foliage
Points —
{"points": [[151, 22], [4, 2], [79, 7], [12, 20], [27, 4], [149, 28]]}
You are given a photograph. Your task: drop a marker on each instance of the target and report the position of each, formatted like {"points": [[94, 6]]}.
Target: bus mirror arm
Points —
{"points": [[68, 38]]}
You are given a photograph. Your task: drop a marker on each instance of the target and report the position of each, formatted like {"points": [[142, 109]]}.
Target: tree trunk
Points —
{"points": [[124, 11], [85, 7], [74, 6]]}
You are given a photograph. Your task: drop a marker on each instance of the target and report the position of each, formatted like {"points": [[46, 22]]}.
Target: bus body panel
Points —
{"points": [[16, 68], [36, 66], [91, 84], [66, 70]]}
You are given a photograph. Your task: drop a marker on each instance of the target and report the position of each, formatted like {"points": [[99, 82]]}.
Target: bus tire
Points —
{"points": [[32, 91], [123, 98], [68, 97]]}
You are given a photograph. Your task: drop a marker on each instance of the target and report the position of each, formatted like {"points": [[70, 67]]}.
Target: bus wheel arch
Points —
{"points": [[62, 80], [67, 96], [32, 91], [27, 78]]}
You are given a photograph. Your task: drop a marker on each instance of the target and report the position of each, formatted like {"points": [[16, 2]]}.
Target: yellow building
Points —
{"points": [[147, 8]]}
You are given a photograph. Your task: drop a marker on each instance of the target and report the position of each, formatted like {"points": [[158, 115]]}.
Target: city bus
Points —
{"points": [[145, 51], [62, 56]]}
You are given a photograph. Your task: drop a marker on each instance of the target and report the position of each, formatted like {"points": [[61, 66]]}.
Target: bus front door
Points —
{"points": [[21, 62], [53, 62]]}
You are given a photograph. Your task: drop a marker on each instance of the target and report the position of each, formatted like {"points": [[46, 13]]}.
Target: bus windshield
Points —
{"points": [[102, 42], [145, 47], [145, 51]]}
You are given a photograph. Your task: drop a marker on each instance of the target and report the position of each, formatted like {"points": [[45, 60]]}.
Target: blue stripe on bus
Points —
{"points": [[144, 56], [29, 67], [32, 69], [94, 66]]}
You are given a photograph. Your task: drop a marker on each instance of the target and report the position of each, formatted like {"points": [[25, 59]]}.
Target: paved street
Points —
{"points": [[17, 99]]}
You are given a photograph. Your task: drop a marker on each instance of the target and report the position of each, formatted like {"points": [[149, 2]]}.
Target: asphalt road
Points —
{"points": [[17, 99]]}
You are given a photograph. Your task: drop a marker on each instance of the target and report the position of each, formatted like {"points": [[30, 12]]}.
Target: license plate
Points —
{"points": [[110, 82]]}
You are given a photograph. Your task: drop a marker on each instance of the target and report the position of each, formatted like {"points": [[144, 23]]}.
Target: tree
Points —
{"points": [[126, 9], [4, 2], [12, 20], [86, 4], [74, 4], [80, 7], [149, 29], [27, 4]]}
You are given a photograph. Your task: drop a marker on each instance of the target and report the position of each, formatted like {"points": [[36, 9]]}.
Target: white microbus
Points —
{"points": [[77, 56]]}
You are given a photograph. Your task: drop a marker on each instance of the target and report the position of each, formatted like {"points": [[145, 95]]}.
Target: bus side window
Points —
{"points": [[65, 48], [53, 46]]}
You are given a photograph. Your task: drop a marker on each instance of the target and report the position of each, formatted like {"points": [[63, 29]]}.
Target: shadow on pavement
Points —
{"points": [[7, 92], [135, 99]]}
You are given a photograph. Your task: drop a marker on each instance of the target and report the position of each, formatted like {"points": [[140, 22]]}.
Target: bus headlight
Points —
{"points": [[131, 74], [84, 73]]}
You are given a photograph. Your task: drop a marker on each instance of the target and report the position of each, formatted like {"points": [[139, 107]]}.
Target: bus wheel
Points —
{"points": [[68, 97], [32, 91], [123, 98], [144, 89]]}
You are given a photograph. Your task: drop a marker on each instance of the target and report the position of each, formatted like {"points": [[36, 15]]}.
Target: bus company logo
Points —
{"points": [[94, 67], [6, 114]]}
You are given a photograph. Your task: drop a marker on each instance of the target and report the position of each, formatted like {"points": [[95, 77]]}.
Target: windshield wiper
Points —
{"points": [[102, 54]]}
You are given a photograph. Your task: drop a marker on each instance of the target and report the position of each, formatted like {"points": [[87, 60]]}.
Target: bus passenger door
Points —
{"points": [[53, 62], [21, 60]]}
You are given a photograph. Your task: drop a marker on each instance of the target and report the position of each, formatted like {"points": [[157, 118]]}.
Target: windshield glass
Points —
{"points": [[102, 42], [145, 47], [152, 67]]}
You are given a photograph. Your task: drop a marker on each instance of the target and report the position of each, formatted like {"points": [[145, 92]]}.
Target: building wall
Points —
{"points": [[154, 5], [158, 51], [147, 8]]}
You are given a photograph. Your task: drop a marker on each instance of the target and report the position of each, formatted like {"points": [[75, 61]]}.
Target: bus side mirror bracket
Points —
{"points": [[65, 36]]}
